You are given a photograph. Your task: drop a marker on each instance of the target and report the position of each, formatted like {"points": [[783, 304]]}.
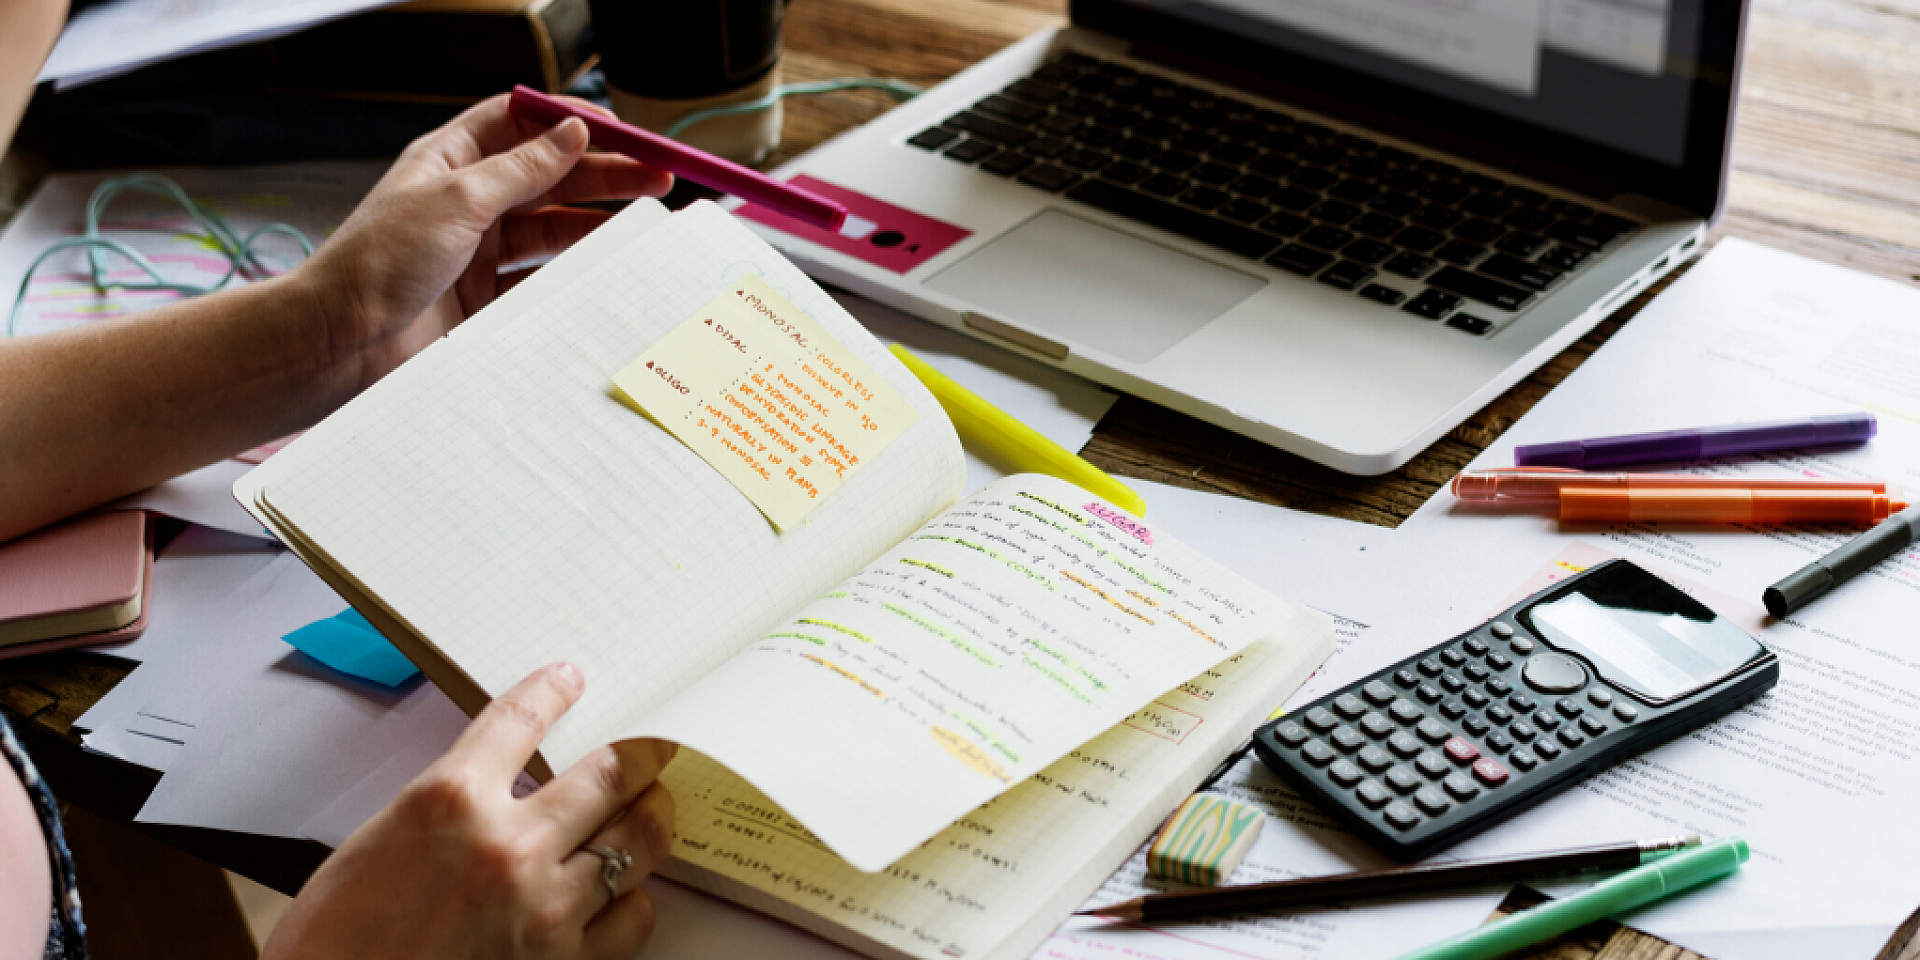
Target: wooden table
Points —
{"points": [[1827, 163]]}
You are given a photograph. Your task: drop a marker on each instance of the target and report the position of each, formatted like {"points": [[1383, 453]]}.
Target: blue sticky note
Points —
{"points": [[348, 643]]}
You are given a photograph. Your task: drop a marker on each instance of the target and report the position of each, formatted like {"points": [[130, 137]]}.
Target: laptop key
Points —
{"points": [[1157, 128], [1484, 289], [1312, 178], [1243, 211], [1285, 224], [1212, 174], [1060, 123], [987, 128], [1273, 165], [1382, 294], [1519, 272], [1418, 239], [1305, 261], [1613, 224], [1253, 186], [1477, 231], [1470, 324], [1569, 209], [967, 151], [1334, 212], [1458, 252], [1084, 159], [1376, 225], [1057, 71], [1357, 191], [1009, 109], [1367, 251], [1529, 219], [1410, 265], [1520, 194], [1175, 161], [1162, 185], [1294, 198], [1049, 177], [1047, 148], [1436, 216], [1124, 172], [1232, 153], [1326, 238], [1519, 243], [1487, 205], [1442, 192], [1206, 198], [1564, 258], [1394, 204], [1135, 148], [1187, 223], [1007, 163], [1346, 275], [933, 138], [1035, 91], [1432, 304]]}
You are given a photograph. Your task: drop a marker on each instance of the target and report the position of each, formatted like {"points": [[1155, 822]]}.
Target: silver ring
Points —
{"points": [[612, 864]]}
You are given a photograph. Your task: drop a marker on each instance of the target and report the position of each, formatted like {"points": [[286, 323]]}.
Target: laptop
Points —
{"points": [[1337, 226]]}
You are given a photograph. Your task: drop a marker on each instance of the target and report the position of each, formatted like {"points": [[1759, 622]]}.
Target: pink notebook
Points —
{"points": [[80, 582]]}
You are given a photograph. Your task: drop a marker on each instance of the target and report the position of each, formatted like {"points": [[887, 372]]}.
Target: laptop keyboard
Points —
{"points": [[1403, 230]]}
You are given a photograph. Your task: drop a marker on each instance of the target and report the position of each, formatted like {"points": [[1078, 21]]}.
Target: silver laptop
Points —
{"points": [[1337, 226]]}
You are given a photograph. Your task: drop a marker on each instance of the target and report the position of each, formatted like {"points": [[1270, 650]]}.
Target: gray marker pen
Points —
{"points": [[1807, 584]]}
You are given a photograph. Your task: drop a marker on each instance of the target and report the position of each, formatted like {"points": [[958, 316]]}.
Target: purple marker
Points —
{"points": [[1699, 443]]}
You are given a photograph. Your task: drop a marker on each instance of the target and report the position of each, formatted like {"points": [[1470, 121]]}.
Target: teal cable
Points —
{"points": [[242, 258], [899, 88]]}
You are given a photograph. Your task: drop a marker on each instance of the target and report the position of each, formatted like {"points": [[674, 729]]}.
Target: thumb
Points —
{"points": [[505, 180]]}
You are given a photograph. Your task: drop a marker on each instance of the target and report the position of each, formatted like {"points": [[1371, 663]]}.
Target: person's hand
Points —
{"points": [[457, 868], [423, 251]]}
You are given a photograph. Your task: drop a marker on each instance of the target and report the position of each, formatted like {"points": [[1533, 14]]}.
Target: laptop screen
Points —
{"points": [[1647, 81]]}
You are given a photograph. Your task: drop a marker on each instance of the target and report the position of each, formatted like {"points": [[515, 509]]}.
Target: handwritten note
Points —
{"points": [[756, 388]]}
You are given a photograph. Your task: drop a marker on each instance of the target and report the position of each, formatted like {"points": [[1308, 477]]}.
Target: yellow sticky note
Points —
{"points": [[757, 389]]}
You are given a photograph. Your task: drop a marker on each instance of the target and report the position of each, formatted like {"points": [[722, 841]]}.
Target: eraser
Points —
{"points": [[1204, 840]]}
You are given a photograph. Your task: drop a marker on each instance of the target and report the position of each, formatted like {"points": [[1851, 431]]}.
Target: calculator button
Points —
{"points": [[1453, 683], [1499, 661], [1523, 760], [1476, 698], [1406, 712], [1404, 744], [1502, 630], [1522, 703], [1499, 742], [1349, 706], [1290, 734], [1475, 646], [1432, 764], [1475, 672], [1522, 646], [1569, 707], [1626, 713], [1499, 687], [1600, 697], [1317, 753], [1452, 710], [1476, 725], [1554, 673], [1499, 714], [1461, 786], [1523, 732], [1452, 658], [1490, 771], [1433, 731], [1545, 720], [1432, 801], [1373, 795], [1347, 738], [1592, 726], [1380, 694], [1375, 759], [1572, 737], [1401, 815], [1405, 678], [1320, 720], [1431, 667], [1402, 780], [1428, 692], [1462, 750], [1376, 725], [1345, 773], [1546, 749]]}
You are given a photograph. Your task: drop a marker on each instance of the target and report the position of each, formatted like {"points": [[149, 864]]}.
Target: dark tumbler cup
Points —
{"points": [[665, 60]]}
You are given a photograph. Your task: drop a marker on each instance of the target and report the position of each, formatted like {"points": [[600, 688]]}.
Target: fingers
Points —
{"points": [[644, 832], [503, 181], [545, 233], [607, 176], [619, 931], [500, 740], [580, 801]]}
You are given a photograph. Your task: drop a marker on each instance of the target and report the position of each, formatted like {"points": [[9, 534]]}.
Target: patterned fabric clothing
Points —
{"points": [[67, 935]]}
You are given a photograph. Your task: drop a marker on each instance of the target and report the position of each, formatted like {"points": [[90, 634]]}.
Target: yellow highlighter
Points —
{"points": [[982, 424]]}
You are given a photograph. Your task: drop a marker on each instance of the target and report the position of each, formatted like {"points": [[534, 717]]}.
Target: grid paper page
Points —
{"points": [[1011, 629], [507, 508], [997, 882]]}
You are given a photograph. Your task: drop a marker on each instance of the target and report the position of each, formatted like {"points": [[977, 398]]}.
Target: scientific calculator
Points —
{"points": [[1599, 667]]}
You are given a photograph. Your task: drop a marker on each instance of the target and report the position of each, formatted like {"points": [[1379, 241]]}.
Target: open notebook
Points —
{"points": [[917, 724]]}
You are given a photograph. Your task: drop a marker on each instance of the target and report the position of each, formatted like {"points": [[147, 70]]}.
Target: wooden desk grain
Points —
{"points": [[1826, 163]]}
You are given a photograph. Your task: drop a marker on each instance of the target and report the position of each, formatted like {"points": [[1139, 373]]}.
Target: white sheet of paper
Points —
{"points": [[112, 38], [190, 578], [203, 496], [1818, 774]]}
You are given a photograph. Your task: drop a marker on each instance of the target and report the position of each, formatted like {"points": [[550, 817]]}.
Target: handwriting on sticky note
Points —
{"points": [[761, 392]]}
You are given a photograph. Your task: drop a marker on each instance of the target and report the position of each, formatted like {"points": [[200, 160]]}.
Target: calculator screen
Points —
{"points": [[1643, 634]]}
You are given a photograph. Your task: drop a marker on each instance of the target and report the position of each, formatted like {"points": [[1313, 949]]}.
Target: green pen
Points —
{"points": [[1641, 885]]}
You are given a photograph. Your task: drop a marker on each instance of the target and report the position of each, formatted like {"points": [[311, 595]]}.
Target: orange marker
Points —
{"points": [[1521, 485], [1591, 505]]}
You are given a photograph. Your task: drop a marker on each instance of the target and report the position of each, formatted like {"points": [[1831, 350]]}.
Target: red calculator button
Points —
{"points": [[1462, 751], [1490, 771]]}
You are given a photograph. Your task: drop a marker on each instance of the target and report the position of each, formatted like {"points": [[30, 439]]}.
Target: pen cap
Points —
{"points": [[1672, 446], [1708, 862], [1822, 431], [1798, 589]]}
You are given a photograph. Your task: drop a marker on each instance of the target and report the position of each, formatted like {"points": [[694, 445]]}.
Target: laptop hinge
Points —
{"points": [[1015, 335]]}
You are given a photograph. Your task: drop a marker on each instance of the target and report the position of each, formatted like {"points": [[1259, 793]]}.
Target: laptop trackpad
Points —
{"points": [[1086, 285]]}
